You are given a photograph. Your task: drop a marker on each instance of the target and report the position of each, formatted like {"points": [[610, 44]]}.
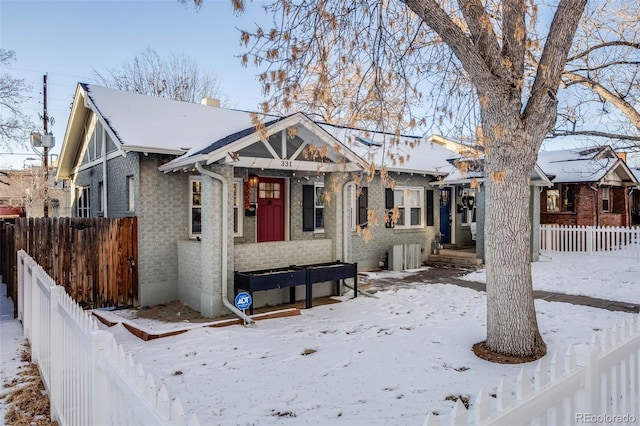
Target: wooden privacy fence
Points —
{"points": [[94, 259], [90, 379], [597, 383], [589, 239]]}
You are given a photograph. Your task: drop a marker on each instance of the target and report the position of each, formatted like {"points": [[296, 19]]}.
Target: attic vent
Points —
{"points": [[210, 102], [368, 142]]}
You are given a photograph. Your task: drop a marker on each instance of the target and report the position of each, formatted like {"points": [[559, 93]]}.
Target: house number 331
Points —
{"points": [[285, 163]]}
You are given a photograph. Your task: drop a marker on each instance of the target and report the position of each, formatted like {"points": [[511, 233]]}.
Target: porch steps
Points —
{"points": [[455, 257]]}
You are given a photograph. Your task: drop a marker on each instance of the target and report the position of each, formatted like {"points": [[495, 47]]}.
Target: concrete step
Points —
{"points": [[454, 260], [467, 253]]}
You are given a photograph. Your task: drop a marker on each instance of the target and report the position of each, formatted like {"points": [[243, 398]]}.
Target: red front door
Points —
{"points": [[270, 209]]}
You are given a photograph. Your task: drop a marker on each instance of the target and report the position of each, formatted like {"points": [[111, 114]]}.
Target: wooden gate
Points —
{"points": [[95, 259]]}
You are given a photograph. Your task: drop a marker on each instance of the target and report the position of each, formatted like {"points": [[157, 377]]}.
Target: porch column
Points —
{"points": [[480, 214], [534, 215], [211, 237], [333, 183]]}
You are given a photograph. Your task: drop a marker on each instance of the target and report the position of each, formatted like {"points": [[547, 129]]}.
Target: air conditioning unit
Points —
{"points": [[407, 256]]}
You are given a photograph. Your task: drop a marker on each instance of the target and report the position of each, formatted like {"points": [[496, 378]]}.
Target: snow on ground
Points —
{"points": [[362, 362], [604, 277], [11, 345], [365, 361]]}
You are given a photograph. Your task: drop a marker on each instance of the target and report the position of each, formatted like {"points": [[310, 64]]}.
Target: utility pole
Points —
{"points": [[45, 158]]}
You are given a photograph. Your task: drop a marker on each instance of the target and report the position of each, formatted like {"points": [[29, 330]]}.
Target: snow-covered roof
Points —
{"points": [[151, 124], [636, 173], [578, 164], [412, 154]]}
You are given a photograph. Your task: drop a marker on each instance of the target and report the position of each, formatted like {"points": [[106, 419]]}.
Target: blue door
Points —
{"points": [[445, 215]]}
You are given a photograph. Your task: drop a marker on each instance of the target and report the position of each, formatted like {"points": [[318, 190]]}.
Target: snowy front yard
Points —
{"points": [[370, 361]]}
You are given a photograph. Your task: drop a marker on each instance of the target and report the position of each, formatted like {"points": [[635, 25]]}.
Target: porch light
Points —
{"points": [[253, 180]]}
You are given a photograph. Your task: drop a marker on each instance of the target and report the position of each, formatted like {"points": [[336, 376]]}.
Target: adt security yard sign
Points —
{"points": [[243, 300]]}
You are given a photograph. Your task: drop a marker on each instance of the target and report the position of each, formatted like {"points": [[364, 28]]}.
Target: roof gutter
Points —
{"points": [[224, 248]]}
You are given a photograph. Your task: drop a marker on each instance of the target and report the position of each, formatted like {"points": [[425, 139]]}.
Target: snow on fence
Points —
{"points": [[89, 378], [594, 383], [589, 239]]}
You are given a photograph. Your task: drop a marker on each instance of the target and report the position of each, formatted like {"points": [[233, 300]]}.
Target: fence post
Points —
{"points": [[55, 389], [36, 312], [588, 398], [20, 283], [589, 239], [100, 393], [547, 238]]}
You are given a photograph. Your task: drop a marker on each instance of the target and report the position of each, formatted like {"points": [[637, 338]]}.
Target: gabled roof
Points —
{"points": [[584, 165], [412, 154], [207, 134], [455, 176]]}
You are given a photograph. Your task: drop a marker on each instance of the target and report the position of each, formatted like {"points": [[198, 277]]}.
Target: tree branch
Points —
{"points": [[625, 107], [623, 43], [563, 133], [553, 59]]}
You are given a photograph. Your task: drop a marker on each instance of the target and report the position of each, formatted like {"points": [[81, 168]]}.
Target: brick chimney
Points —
{"points": [[622, 156], [210, 102]]}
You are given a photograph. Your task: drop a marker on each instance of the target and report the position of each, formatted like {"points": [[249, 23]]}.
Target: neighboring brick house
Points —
{"points": [[591, 187], [295, 191]]}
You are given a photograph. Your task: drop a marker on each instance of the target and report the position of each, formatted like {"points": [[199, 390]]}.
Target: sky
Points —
{"points": [[366, 361], [67, 40]]}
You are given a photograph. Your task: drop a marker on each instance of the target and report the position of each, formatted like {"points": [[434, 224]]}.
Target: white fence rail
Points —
{"points": [[597, 383], [589, 239], [89, 378]]}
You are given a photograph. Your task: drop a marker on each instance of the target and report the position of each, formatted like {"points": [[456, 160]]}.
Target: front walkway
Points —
{"points": [[449, 275]]}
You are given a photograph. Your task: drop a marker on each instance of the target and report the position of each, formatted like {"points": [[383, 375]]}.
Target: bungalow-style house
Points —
{"points": [[218, 190], [462, 200], [591, 187]]}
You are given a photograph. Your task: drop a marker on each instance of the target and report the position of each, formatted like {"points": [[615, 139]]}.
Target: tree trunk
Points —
{"points": [[512, 327]]}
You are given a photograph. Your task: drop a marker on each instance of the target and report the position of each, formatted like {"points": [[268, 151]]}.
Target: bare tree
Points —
{"points": [[177, 77], [15, 126], [602, 76], [398, 46]]}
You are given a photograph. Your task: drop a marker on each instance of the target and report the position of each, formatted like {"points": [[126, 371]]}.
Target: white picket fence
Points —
{"points": [[616, 241], [89, 378], [595, 383]]}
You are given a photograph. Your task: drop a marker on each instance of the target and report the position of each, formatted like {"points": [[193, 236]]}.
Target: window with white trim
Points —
{"points": [[101, 197], [606, 200], [313, 207], [83, 207], [237, 204], [467, 206], [405, 206], [131, 195], [195, 206], [318, 207]]}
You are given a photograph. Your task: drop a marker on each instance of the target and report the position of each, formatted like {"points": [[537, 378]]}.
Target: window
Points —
{"points": [[82, 202], [313, 207], [606, 193], [430, 206], [360, 208], [468, 207], [319, 207], [195, 206], [131, 194], [561, 198], [405, 206], [101, 196], [237, 203]]}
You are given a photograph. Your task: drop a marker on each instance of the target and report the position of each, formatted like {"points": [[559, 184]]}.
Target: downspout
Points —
{"points": [[224, 248]]}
